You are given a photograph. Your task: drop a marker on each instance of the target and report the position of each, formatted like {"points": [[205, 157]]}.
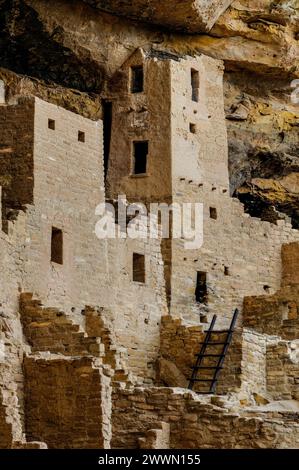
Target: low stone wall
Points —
{"points": [[274, 315], [278, 314], [194, 423], [283, 370]]}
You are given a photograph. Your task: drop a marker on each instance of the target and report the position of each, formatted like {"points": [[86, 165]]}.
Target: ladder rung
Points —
{"points": [[209, 355], [219, 331], [217, 344], [207, 367], [202, 380]]}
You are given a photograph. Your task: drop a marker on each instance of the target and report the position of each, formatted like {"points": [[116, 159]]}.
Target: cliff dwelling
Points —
{"points": [[148, 342]]}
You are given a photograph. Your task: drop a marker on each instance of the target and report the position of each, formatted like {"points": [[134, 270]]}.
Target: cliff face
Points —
{"points": [[187, 15], [67, 51]]}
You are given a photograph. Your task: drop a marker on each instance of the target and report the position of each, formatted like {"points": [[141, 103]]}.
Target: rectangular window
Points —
{"points": [[213, 213], [140, 157], [201, 291], [138, 268], [57, 246], [81, 136], [137, 79], [51, 124], [192, 128], [107, 122], [195, 85]]}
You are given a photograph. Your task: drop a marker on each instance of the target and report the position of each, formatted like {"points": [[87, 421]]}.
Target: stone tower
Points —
{"points": [[166, 141]]}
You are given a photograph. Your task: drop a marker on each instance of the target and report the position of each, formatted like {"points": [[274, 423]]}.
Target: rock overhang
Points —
{"points": [[193, 16]]}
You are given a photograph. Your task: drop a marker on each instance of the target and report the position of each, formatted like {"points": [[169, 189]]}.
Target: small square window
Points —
{"points": [[137, 79], [192, 128], [57, 246], [138, 268], [51, 124], [213, 213], [81, 136]]}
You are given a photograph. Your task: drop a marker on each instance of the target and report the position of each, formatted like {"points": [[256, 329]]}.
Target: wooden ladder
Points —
{"points": [[219, 356]]}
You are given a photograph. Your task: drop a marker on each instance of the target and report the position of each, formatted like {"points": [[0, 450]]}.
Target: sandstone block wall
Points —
{"points": [[277, 314], [141, 117], [6, 438], [256, 363], [247, 261], [195, 424], [16, 162], [283, 370], [94, 272], [49, 329], [194, 169], [180, 343], [94, 325], [2, 92], [245, 365], [199, 153], [71, 172], [290, 260], [67, 402]]}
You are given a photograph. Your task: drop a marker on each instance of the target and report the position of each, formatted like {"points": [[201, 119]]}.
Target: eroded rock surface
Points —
{"points": [[188, 15]]}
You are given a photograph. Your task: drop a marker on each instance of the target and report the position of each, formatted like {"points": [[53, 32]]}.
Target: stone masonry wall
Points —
{"points": [[94, 272], [240, 254], [245, 363], [195, 423], [278, 314], [246, 262], [67, 402], [194, 169], [11, 336], [283, 370], [71, 172], [141, 116], [16, 158]]}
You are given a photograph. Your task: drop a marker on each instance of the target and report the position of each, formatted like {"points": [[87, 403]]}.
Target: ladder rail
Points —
{"points": [[200, 357]]}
